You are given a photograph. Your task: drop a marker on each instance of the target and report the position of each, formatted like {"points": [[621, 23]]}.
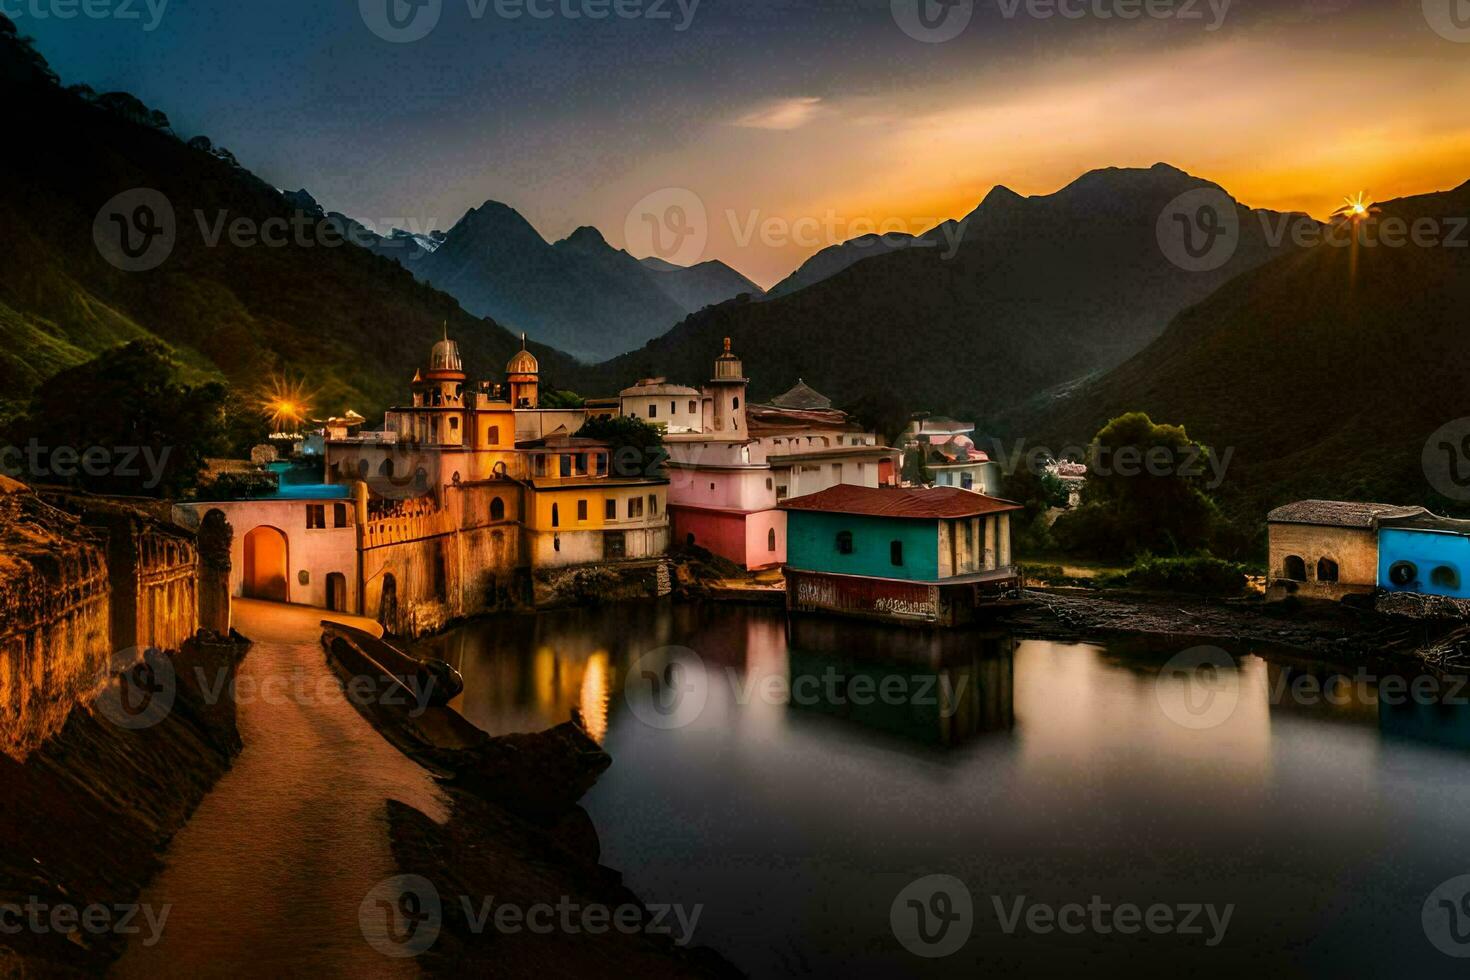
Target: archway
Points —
{"points": [[388, 604], [265, 564], [337, 592]]}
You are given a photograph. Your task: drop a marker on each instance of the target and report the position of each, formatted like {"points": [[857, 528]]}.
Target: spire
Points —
{"points": [[523, 340], [727, 345], [446, 329]]}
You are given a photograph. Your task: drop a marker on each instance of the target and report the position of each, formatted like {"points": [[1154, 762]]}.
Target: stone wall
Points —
{"points": [[1355, 550], [588, 585]]}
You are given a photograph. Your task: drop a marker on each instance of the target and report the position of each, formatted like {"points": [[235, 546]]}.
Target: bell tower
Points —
{"points": [[524, 374], [727, 389]]}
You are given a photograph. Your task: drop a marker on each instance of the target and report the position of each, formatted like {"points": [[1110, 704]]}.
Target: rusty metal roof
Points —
{"points": [[902, 502]]}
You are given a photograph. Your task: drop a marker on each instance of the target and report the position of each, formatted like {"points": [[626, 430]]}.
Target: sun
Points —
{"points": [[1355, 208]]}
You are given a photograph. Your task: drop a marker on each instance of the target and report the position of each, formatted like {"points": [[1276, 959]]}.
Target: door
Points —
{"points": [[265, 565], [337, 592]]}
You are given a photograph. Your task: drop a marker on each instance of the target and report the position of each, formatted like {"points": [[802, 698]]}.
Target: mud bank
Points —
{"points": [[88, 814], [1334, 631]]}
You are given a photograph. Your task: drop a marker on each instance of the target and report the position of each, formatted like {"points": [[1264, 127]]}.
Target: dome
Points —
{"points": [[524, 361], [445, 356]]}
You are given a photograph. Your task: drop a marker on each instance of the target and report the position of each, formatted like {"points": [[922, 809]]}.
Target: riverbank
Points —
{"points": [[89, 814], [1336, 630]]}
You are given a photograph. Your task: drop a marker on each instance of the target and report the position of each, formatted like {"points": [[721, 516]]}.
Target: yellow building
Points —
{"points": [[578, 512]]}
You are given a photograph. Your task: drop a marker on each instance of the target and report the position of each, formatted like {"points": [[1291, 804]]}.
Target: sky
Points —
{"points": [[759, 131]]}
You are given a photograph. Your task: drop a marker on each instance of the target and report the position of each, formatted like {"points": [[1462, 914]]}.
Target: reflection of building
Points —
{"points": [[731, 463], [909, 555], [1326, 549]]}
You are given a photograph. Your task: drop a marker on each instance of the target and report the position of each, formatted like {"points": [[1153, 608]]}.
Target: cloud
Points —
{"points": [[782, 114]]}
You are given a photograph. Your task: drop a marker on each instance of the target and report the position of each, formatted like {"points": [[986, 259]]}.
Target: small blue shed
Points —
{"points": [[1426, 554]]}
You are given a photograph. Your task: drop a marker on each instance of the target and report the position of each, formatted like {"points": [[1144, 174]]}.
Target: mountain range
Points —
{"points": [[1022, 294]]}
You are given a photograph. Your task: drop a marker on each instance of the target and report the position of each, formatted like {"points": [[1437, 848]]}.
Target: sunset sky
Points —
{"points": [[770, 111]]}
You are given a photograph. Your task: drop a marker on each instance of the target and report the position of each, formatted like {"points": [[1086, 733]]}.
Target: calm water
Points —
{"points": [[1053, 774]]}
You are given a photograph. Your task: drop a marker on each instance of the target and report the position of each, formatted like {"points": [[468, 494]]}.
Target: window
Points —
{"points": [[782, 492], [492, 435], [1326, 570], [1445, 576], [737, 403], [635, 507], [1295, 568], [497, 509], [386, 469], [844, 542], [581, 510], [566, 466], [556, 542], [601, 463], [316, 515], [895, 552], [363, 468], [673, 408], [653, 504], [652, 410], [556, 516], [610, 510], [339, 515], [693, 407], [540, 465], [769, 483], [453, 423], [771, 540]]}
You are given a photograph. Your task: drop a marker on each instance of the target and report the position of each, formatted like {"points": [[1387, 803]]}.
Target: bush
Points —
{"points": [[1043, 573], [1201, 575]]}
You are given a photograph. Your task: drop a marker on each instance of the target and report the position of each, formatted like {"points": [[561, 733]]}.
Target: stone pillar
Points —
{"points": [[215, 538]]}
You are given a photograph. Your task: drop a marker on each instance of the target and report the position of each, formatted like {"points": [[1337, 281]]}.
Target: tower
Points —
{"points": [[440, 387], [524, 374], [727, 389]]}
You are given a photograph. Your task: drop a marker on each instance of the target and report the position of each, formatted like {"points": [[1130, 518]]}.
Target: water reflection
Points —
{"points": [[1307, 796]]}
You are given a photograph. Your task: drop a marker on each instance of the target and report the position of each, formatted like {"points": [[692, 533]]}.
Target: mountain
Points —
{"points": [[349, 324], [1324, 372], [834, 258], [579, 294], [1023, 294], [403, 247], [697, 286]]}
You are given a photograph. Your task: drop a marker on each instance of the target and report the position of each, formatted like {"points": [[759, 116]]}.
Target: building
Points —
{"points": [[946, 451], [1424, 553], [1326, 549], [731, 463], [922, 555]]}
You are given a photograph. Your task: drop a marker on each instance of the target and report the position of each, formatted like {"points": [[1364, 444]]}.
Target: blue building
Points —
{"points": [[1424, 553], [899, 554]]}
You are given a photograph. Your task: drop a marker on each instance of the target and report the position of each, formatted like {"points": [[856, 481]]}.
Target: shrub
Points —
{"points": [[1200, 575]]}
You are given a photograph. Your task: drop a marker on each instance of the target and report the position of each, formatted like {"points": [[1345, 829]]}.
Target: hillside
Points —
{"points": [[348, 323], [1040, 290], [1325, 371]]}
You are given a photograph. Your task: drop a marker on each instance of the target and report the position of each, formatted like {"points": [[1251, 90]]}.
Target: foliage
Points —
{"points": [[882, 412], [236, 486], [1142, 493], [129, 405], [1198, 575], [561, 399], [636, 447]]}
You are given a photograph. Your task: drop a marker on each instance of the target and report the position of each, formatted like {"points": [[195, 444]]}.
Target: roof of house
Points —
{"points": [[1338, 513], [802, 396], [903, 502], [836, 452]]}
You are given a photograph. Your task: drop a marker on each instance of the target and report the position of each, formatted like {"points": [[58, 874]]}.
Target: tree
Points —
{"points": [[121, 423], [561, 399], [636, 447], [202, 143], [1143, 493]]}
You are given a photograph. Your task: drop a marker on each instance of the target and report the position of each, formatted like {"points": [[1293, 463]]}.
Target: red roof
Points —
{"points": [[937, 502]]}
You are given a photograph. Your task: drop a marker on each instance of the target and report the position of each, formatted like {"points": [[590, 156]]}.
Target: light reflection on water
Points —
{"points": [[1052, 771]]}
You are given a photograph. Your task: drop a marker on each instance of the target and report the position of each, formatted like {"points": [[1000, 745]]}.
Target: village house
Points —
{"points": [[925, 555], [731, 463], [946, 450], [1328, 549]]}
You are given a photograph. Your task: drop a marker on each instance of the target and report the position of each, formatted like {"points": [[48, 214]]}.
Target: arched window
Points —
{"points": [[386, 469], [771, 540], [1445, 576], [556, 520], [497, 509], [1295, 568], [363, 468], [492, 435], [844, 542], [737, 403], [1326, 570]]}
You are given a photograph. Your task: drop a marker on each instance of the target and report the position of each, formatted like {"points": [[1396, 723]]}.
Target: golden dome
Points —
{"points": [[524, 361]]}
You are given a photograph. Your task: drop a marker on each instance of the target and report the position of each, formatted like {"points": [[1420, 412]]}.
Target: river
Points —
{"points": [[793, 781]]}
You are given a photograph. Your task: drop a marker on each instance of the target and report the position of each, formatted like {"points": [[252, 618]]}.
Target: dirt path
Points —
{"points": [[268, 876]]}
